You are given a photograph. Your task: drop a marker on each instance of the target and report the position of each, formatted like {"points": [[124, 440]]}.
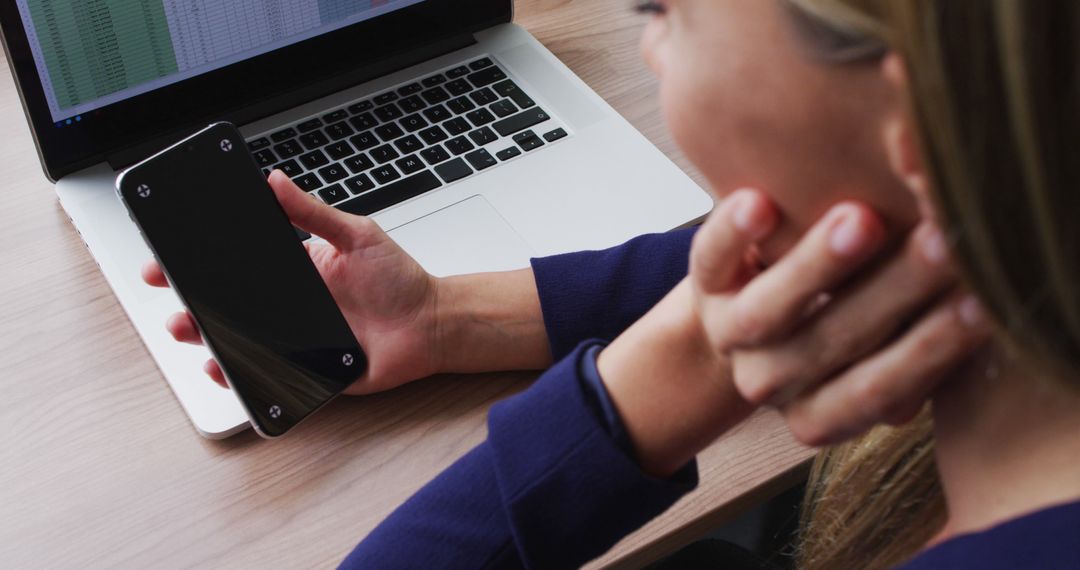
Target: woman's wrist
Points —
{"points": [[488, 322], [674, 395]]}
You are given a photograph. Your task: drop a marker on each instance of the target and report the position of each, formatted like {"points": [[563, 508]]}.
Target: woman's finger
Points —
{"points": [[213, 370], [153, 275], [894, 381], [312, 215], [182, 328], [776, 301], [718, 252], [855, 323]]}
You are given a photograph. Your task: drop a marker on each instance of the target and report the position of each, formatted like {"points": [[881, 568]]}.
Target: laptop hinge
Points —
{"points": [[254, 110]]}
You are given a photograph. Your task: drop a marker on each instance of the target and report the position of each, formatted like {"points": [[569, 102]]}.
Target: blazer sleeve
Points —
{"points": [[552, 487], [599, 294]]}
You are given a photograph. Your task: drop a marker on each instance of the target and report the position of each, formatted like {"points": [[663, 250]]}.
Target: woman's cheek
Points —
{"points": [[697, 129], [652, 44]]}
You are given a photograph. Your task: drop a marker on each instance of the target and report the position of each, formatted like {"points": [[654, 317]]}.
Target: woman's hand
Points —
{"points": [[837, 344], [388, 299]]}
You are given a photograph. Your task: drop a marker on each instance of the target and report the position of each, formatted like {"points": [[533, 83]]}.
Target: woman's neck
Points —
{"points": [[1007, 439]]}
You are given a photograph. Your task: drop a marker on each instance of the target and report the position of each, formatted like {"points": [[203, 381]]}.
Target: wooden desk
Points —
{"points": [[100, 467]]}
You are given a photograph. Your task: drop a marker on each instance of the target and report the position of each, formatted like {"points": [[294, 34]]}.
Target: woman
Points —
{"points": [[976, 129], [925, 110]]}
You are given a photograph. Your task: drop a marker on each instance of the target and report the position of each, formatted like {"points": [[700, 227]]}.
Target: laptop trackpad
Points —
{"points": [[467, 237]]}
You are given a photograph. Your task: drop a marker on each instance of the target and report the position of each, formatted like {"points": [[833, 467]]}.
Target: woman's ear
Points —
{"points": [[900, 139]]}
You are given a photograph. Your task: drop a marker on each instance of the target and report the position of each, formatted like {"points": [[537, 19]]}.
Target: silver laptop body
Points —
{"points": [[596, 183]]}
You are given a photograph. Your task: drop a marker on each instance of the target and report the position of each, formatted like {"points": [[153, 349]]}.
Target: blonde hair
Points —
{"points": [[993, 87]]}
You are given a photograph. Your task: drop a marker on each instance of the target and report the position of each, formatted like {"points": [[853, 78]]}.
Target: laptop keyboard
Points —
{"points": [[384, 150]]}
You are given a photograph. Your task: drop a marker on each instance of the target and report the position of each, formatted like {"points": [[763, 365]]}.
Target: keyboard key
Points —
{"points": [[314, 159], [409, 144], [389, 132], [309, 125], [409, 89], [522, 100], [304, 236], [283, 135], [266, 172], [434, 80], [480, 64], [308, 182], [454, 170], [392, 194], [503, 109], [314, 140], [510, 89], [384, 154], [480, 117], [436, 154], [460, 71], [520, 121], [333, 173], [339, 150], [290, 168], [435, 95], [484, 96], [459, 87], [437, 114], [258, 144], [364, 121], [528, 140], [360, 107], [265, 157], [413, 123], [340, 130], [480, 159], [388, 113], [339, 115], [333, 194], [483, 136], [359, 163], [433, 135], [288, 149], [509, 153], [385, 98], [364, 141], [506, 88], [555, 135], [385, 173], [412, 104], [410, 164], [459, 145], [456, 126], [487, 76], [359, 184], [461, 105]]}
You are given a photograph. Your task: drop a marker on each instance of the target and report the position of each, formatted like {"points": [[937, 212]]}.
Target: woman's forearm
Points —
{"points": [[491, 321], [673, 395]]}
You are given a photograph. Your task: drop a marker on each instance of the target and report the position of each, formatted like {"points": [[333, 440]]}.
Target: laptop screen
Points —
{"points": [[90, 54], [113, 80]]}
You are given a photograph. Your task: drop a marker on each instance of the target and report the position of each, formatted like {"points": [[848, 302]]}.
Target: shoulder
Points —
{"points": [[1047, 539]]}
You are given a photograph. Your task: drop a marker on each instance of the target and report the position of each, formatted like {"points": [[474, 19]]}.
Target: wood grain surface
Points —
{"points": [[101, 468]]}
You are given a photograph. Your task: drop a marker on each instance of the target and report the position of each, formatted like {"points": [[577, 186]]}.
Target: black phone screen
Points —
{"points": [[228, 248]]}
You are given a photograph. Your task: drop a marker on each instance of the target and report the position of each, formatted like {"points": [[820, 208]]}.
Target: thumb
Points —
{"points": [[721, 245], [310, 214]]}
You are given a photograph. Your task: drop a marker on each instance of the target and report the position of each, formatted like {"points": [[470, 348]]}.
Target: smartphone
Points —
{"points": [[226, 246]]}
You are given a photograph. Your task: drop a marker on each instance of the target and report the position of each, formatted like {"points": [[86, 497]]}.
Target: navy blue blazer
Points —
{"points": [[556, 484]]}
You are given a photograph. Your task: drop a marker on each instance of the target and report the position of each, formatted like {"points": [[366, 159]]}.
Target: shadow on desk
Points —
{"points": [[424, 410]]}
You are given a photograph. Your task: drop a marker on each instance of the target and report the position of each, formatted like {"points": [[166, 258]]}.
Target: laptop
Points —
{"points": [[449, 125]]}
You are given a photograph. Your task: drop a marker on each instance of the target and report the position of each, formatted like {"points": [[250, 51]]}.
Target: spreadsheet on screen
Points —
{"points": [[91, 53]]}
